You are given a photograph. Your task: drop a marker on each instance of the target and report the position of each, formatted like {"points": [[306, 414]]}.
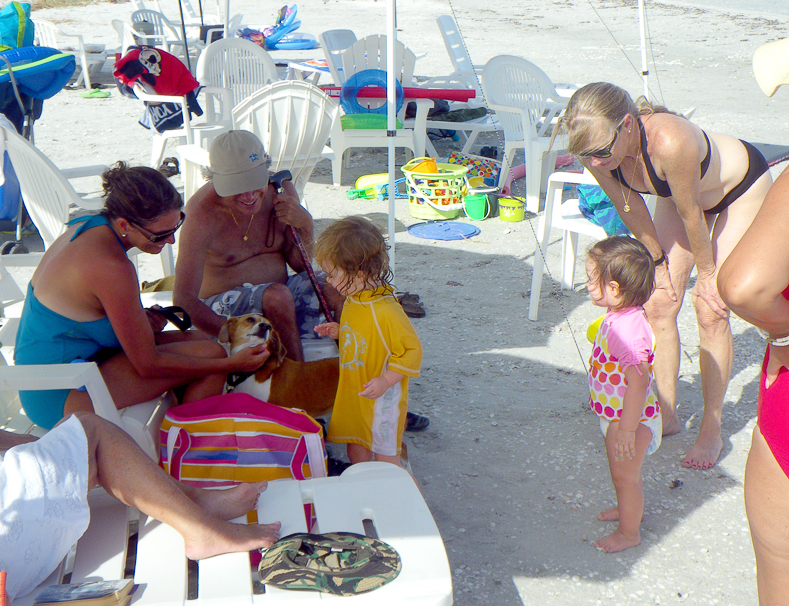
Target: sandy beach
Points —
{"points": [[513, 465]]}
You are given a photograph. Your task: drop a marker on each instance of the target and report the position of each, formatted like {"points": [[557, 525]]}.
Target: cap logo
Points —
{"points": [[253, 157]]}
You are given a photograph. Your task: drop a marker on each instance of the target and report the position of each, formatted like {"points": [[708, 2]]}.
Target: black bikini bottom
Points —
{"points": [[757, 166]]}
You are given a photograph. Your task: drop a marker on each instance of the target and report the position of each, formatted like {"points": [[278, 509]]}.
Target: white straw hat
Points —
{"points": [[238, 163], [771, 66]]}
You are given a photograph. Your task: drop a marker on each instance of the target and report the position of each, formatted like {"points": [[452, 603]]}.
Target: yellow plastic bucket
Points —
{"points": [[511, 209], [592, 330]]}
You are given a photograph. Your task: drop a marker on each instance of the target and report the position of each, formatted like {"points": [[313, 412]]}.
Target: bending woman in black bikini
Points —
{"points": [[709, 188]]}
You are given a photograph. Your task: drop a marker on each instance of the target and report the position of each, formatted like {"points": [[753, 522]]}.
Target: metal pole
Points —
{"points": [[391, 125], [183, 34], [642, 17]]}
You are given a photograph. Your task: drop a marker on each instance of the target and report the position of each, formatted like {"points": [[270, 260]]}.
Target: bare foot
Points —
{"points": [[671, 424], [705, 451], [609, 515], [230, 503], [616, 541], [226, 537]]}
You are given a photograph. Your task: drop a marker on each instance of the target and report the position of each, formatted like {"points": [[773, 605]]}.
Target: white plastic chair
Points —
{"points": [[334, 42], [527, 105], [293, 119], [235, 65], [47, 34], [48, 195], [371, 53], [564, 215], [165, 34], [127, 36]]}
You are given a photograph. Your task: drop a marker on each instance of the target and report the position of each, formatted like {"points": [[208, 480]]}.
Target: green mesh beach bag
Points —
{"points": [[341, 563]]}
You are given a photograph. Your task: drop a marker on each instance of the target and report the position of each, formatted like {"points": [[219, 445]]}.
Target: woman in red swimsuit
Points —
{"points": [[753, 282], [709, 188]]}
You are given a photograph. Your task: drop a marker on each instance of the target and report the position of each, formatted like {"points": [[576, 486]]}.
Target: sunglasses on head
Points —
{"points": [[605, 152], [162, 235]]}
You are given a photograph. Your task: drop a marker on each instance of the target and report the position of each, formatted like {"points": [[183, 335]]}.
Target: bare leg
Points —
{"points": [[117, 464], [128, 387], [280, 309], [626, 476], [767, 506], [358, 453]]}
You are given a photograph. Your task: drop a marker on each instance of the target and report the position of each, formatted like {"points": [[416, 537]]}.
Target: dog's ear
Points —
{"points": [[224, 332], [281, 351]]}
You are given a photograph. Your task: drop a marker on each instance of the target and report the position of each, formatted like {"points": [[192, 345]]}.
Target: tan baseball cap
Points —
{"points": [[238, 163]]}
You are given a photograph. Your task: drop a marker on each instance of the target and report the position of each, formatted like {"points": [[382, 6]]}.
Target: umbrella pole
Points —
{"points": [[183, 33], [642, 17], [391, 126]]}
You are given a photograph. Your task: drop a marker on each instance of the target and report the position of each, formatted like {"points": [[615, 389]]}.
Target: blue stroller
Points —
{"points": [[28, 76]]}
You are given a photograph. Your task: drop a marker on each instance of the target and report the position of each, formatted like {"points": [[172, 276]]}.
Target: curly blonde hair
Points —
{"points": [[356, 246]]}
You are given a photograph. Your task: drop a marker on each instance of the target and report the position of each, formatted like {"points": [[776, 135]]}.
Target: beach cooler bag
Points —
{"points": [[232, 438]]}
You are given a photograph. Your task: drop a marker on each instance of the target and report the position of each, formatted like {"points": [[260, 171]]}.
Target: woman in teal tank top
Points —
{"points": [[83, 304]]}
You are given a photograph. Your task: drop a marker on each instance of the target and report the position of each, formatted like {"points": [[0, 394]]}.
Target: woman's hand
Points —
{"points": [[157, 321], [328, 329], [707, 288], [779, 358], [663, 281], [624, 445], [249, 359]]}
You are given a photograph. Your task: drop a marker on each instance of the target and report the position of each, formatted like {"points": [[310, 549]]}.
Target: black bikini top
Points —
{"points": [[661, 187]]}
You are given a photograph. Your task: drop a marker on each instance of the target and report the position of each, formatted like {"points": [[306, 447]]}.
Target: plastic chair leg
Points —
{"points": [[569, 258]]}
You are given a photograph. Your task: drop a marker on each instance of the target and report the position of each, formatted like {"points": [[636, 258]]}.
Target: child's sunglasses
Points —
{"points": [[163, 235]]}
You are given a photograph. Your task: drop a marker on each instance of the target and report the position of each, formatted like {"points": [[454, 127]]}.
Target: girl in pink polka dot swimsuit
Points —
{"points": [[621, 276]]}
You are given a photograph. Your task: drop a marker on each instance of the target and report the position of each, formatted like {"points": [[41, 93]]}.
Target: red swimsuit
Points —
{"points": [[773, 411]]}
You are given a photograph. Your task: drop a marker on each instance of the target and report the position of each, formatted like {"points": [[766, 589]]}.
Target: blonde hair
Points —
{"points": [[627, 262], [596, 111], [356, 246]]}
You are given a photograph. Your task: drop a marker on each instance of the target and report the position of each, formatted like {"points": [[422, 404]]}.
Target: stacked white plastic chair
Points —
{"points": [[90, 57]]}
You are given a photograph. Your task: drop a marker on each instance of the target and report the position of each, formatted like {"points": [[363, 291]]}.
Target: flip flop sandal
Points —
{"points": [[183, 323], [96, 94], [412, 309], [406, 297], [169, 167]]}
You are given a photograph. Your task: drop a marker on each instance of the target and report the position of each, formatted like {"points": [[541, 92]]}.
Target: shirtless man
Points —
{"points": [[236, 246], [83, 451]]}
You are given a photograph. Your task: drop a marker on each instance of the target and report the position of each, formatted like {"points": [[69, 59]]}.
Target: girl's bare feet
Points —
{"points": [[616, 541], [226, 537], [230, 503], [609, 515]]}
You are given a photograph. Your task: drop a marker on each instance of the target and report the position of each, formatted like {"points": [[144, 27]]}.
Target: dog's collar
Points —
{"points": [[234, 379]]}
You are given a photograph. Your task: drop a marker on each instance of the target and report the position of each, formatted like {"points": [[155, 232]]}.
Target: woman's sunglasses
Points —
{"points": [[602, 153], [163, 235]]}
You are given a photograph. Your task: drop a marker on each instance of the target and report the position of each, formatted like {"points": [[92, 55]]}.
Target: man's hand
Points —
{"points": [[290, 212], [328, 329], [249, 359]]}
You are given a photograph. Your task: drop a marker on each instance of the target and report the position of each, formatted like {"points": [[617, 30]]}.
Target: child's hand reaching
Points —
{"points": [[329, 329], [624, 445]]}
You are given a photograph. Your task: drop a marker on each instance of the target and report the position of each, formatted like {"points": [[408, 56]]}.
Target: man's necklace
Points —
{"points": [[626, 207], [246, 233]]}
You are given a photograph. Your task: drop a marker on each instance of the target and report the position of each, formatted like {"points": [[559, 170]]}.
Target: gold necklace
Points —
{"points": [[246, 233], [626, 207]]}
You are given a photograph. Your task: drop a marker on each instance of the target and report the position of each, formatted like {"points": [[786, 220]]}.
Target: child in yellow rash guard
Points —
{"points": [[379, 348]]}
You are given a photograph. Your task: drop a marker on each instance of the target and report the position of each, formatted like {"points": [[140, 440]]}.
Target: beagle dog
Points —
{"points": [[309, 386]]}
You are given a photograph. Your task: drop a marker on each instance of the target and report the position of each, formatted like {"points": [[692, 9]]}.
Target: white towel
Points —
{"points": [[43, 505]]}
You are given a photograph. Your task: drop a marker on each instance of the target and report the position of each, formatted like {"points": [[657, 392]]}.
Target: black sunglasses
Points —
{"points": [[602, 153], [163, 235]]}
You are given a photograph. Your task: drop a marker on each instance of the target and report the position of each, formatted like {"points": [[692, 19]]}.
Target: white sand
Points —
{"points": [[513, 466]]}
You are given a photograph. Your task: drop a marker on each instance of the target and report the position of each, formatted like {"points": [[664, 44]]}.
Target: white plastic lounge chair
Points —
{"points": [[49, 196], [527, 105], [164, 33], [564, 215], [368, 493], [371, 53], [334, 42], [91, 56]]}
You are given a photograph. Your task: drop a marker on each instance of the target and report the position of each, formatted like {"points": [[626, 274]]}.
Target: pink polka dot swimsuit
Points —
{"points": [[624, 339]]}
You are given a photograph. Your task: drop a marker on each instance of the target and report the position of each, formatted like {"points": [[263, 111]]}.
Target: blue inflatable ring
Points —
{"points": [[358, 81]]}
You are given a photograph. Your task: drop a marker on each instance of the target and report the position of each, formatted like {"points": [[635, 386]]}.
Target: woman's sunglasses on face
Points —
{"points": [[163, 235], [605, 152]]}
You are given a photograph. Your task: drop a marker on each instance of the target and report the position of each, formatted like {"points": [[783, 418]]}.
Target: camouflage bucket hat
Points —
{"points": [[341, 563]]}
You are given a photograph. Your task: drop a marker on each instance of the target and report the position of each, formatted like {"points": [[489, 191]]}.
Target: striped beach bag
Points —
{"points": [[232, 438]]}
